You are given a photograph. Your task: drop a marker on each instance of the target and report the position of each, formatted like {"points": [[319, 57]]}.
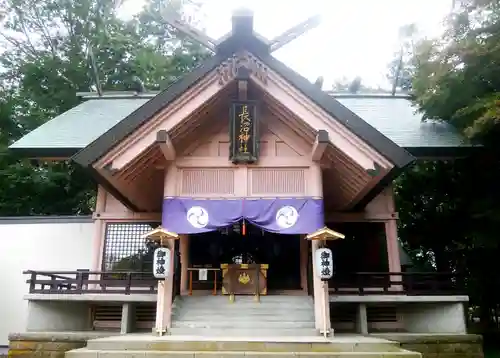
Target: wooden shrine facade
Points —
{"points": [[242, 129]]}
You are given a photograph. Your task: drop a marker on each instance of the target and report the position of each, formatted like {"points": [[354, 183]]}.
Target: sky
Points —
{"points": [[355, 37]]}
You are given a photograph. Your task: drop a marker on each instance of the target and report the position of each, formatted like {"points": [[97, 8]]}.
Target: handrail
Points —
{"points": [[407, 273], [408, 283], [359, 283], [85, 272], [83, 281]]}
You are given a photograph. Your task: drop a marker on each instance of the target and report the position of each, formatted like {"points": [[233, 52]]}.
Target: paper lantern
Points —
{"points": [[161, 262], [324, 263]]}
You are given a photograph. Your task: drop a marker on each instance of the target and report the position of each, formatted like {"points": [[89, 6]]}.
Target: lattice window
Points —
{"points": [[277, 181], [125, 250]]}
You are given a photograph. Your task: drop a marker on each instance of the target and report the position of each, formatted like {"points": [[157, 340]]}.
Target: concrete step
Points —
{"points": [[245, 305], [85, 353], [298, 333], [250, 309], [262, 316], [226, 302], [250, 343], [263, 298], [244, 322], [223, 300]]}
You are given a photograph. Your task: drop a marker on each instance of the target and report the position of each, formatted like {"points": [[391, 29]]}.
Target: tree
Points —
{"points": [[48, 59], [400, 74], [450, 210], [354, 86]]}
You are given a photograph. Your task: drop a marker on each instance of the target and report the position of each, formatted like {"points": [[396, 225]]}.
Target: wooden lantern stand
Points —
{"points": [[161, 236], [323, 235]]}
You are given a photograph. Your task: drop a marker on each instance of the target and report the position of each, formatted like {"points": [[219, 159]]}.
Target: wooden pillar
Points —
{"points": [[99, 232], [304, 254], [165, 287], [391, 235], [184, 253], [321, 294], [98, 239], [160, 326]]}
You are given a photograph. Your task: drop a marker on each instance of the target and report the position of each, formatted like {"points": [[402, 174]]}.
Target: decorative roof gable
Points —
{"points": [[244, 38]]}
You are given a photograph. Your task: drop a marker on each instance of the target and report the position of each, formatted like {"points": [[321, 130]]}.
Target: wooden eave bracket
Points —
{"points": [[108, 169], [320, 144], [242, 78], [165, 144]]}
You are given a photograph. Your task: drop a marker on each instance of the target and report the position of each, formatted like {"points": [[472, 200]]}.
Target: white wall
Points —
{"points": [[51, 243]]}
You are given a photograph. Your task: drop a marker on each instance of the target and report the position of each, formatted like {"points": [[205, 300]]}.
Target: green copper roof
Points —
{"points": [[397, 119], [392, 116], [78, 127]]}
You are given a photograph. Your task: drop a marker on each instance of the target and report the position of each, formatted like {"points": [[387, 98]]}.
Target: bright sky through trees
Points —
{"points": [[355, 38]]}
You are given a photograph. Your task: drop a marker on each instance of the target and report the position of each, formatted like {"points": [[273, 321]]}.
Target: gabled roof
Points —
{"points": [[389, 125], [394, 117], [243, 38], [70, 132], [396, 154], [134, 120], [399, 120]]}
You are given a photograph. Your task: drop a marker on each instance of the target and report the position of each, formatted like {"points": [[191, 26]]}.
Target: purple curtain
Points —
{"points": [[284, 216]]}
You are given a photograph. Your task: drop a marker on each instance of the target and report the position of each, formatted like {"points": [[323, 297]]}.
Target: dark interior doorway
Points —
{"points": [[230, 246]]}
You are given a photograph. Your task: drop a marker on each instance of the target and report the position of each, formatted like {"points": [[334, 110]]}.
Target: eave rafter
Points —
{"points": [[319, 146], [350, 177], [165, 144], [278, 91]]}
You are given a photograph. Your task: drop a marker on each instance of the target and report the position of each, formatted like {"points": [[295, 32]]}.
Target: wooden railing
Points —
{"points": [[78, 282], [360, 283], [405, 283]]}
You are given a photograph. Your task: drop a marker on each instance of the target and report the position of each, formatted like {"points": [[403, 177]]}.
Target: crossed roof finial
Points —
{"points": [[242, 26]]}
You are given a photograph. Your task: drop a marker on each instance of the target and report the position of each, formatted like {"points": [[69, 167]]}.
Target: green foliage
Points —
{"points": [[450, 211], [46, 62], [457, 77], [139, 262], [400, 68]]}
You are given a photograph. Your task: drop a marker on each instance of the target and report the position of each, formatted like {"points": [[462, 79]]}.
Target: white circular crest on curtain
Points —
{"points": [[197, 216], [286, 217]]}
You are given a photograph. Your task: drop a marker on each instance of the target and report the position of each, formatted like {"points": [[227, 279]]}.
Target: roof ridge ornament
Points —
{"points": [[229, 69], [242, 25]]}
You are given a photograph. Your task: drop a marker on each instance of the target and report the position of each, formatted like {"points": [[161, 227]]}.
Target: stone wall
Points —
{"points": [[440, 345], [49, 345]]}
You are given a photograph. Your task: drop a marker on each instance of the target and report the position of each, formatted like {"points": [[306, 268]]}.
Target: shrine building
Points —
{"points": [[243, 169]]}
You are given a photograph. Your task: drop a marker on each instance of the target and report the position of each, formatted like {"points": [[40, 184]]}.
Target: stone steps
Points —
{"points": [[244, 332], [260, 315], [282, 309], [85, 353], [147, 342], [243, 323], [276, 301], [263, 298], [248, 305], [189, 346], [244, 314]]}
